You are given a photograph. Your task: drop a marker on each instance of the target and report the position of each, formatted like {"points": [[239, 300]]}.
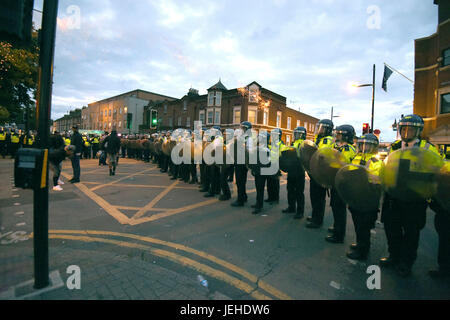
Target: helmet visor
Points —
{"points": [[322, 129], [409, 133], [366, 147]]}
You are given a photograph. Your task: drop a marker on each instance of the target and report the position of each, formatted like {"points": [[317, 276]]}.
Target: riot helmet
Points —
{"points": [[367, 143], [299, 133], [324, 128], [246, 125], [410, 127], [344, 133]]}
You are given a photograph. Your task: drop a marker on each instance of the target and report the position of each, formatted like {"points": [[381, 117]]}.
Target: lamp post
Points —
{"points": [[373, 96], [332, 116]]}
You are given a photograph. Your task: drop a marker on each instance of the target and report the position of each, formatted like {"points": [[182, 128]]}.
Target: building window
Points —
{"points": [[179, 121], [288, 126], [445, 103], [278, 119], [211, 98], [288, 139], [120, 110], [109, 112], [306, 126], [217, 116], [446, 57], [188, 121], [165, 108], [106, 113], [120, 124], [237, 115], [170, 121], [298, 123], [214, 98], [210, 117], [202, 117], [218, 99], [110, 124], [252, 115], [266, 117], [184, 105]]}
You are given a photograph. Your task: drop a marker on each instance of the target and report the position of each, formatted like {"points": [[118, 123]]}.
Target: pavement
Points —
{"points": [[140, 235]]}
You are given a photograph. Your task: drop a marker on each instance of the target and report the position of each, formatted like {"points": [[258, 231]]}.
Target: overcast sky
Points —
{"points": [[309, 51]]}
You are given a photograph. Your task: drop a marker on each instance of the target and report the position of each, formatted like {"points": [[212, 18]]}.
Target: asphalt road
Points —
{"points": [[140, 212]]}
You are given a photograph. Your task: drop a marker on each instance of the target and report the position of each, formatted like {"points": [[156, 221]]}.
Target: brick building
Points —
{"points": [[117, 111], [66, 123], [229, 107], [432, 79]]}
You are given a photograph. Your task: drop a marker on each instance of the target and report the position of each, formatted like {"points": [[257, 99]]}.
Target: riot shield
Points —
{"points": [[289, 160], [411, 174], [324, 165], [307, 149], [354, 186], [443, 187]]}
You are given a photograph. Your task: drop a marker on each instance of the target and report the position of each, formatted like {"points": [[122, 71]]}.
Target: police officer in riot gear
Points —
{"points": [[273, 181], [213, 170], [317, 193], [403, 220], [364, 220], [296, 180], [241, 169], [260, 179], [344, 136]]}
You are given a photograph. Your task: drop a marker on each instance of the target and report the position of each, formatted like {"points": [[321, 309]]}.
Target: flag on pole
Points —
{"points": [[387, 73]]}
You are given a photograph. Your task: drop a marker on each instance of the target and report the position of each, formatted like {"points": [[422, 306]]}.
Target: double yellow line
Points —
{"points": [[254, 289]]}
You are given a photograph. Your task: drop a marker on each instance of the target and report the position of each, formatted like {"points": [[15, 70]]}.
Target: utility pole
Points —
{"points": [[43, 111]]}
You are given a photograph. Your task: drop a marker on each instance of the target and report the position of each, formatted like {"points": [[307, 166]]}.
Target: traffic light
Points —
{"points": [[365, 128], [16, 17], [153, 118]]}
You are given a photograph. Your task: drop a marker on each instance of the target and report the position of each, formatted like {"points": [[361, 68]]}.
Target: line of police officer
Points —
{"points": [[402, 220], [12, 140]]}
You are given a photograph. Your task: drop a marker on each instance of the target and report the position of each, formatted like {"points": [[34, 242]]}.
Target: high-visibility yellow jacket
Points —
{"points": [[325, 142], [370, 162], [348, 151], [67, 141], [3, 136], [15, 138]]}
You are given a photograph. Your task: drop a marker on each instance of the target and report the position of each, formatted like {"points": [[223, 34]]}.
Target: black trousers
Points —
{"points": [[214, 178], [260, 182], [295, 191], [94, 150], [363, 223], [403, 222], [204, 177], [339, 209], [3, 148], [224, 174], [273, 187], [241, 180], [193, 171], [317, 195]]}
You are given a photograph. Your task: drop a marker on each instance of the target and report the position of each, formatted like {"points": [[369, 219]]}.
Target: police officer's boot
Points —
{"points": [[288, 210], [110, 172], [237, 204], [357, 255], [388, 261]]}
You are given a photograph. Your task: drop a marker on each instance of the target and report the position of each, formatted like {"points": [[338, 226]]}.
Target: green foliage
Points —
{"points": [[18, 79]]}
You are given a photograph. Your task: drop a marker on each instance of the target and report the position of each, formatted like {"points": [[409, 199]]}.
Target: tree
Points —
{"points": [[4, 115], [18, 78]]}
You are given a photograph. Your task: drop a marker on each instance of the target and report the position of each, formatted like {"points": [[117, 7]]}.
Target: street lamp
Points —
{"points": [[332, 115], [373, 95]]}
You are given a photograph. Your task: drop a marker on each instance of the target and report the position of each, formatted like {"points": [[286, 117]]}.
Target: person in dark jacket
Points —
{"points": [[111, 145], [77, 141], [57, 153]]}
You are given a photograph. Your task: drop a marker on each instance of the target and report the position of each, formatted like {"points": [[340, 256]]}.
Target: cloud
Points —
{"points": [[307, 51]]}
